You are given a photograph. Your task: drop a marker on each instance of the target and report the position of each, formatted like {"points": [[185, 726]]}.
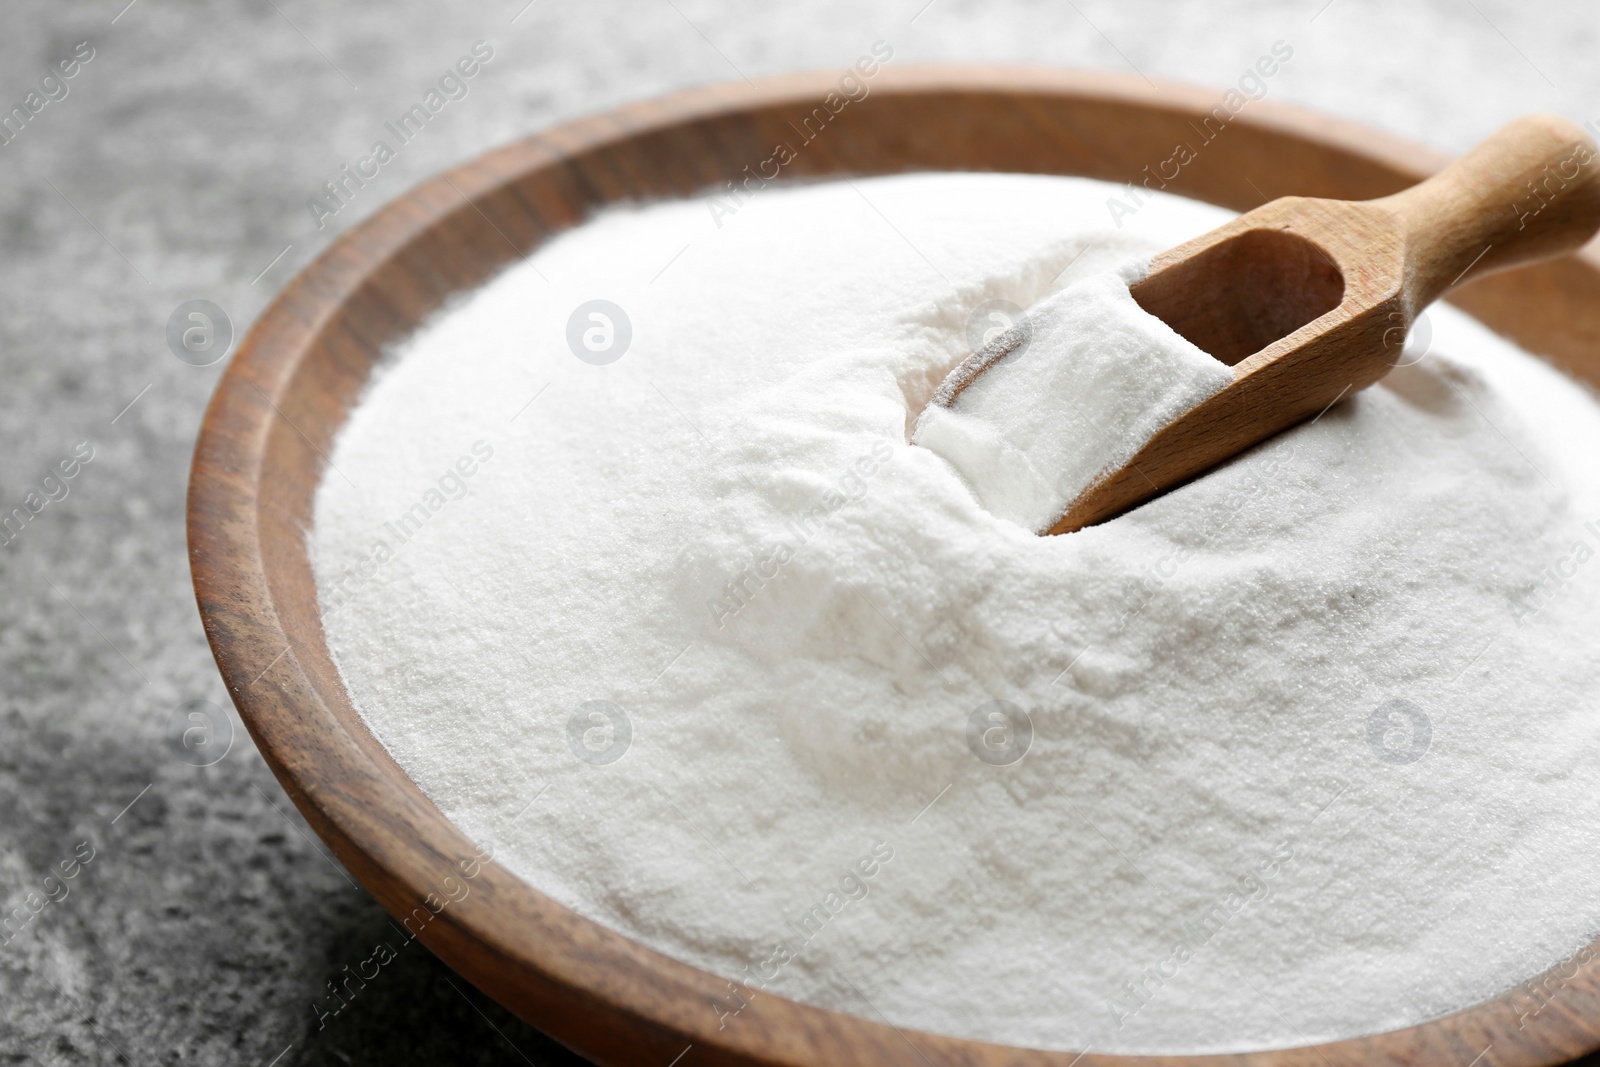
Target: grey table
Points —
{"points": [[176, 163]]}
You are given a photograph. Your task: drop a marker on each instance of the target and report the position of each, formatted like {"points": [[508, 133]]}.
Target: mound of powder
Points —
{"points": [[1301, 750], [1072, 391]]}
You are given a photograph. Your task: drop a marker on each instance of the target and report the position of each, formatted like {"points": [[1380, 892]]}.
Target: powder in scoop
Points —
{"points": [[1303, 749], [1069, 393]]}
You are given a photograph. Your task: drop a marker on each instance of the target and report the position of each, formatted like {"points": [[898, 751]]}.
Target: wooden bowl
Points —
{"points": [[263, 447]]}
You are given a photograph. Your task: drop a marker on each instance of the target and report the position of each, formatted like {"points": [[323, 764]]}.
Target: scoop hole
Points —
{"points": [[1239, 296]]}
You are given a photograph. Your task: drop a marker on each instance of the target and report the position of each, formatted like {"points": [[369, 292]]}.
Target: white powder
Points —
{"points": [[1070, 393], [1213, 841]]}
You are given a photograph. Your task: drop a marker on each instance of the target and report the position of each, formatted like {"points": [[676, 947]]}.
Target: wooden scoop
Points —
{"points": [[1309, 300]]}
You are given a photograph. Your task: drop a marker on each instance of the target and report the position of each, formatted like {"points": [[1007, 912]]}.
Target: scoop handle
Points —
{"points": [[1528, 192]]}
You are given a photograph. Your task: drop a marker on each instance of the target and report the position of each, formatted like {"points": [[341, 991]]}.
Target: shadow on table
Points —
{"points": [[415, 1012]]}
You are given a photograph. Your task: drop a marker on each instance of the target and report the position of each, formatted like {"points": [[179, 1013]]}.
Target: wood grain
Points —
{"points": [[297, 374], [1309, 300]]}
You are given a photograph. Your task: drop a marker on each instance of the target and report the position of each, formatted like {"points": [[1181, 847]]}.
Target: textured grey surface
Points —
{"points": [[178, 166]]}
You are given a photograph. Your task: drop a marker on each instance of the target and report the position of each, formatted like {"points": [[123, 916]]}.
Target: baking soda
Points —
{"points": [[1067, 395], [1301, 750]]}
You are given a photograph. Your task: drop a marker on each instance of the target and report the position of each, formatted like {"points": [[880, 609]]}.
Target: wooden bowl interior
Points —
{"points": [[272, 423]]}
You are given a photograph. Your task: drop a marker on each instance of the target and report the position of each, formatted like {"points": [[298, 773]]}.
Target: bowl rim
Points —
{"points": [[592, 988]]}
